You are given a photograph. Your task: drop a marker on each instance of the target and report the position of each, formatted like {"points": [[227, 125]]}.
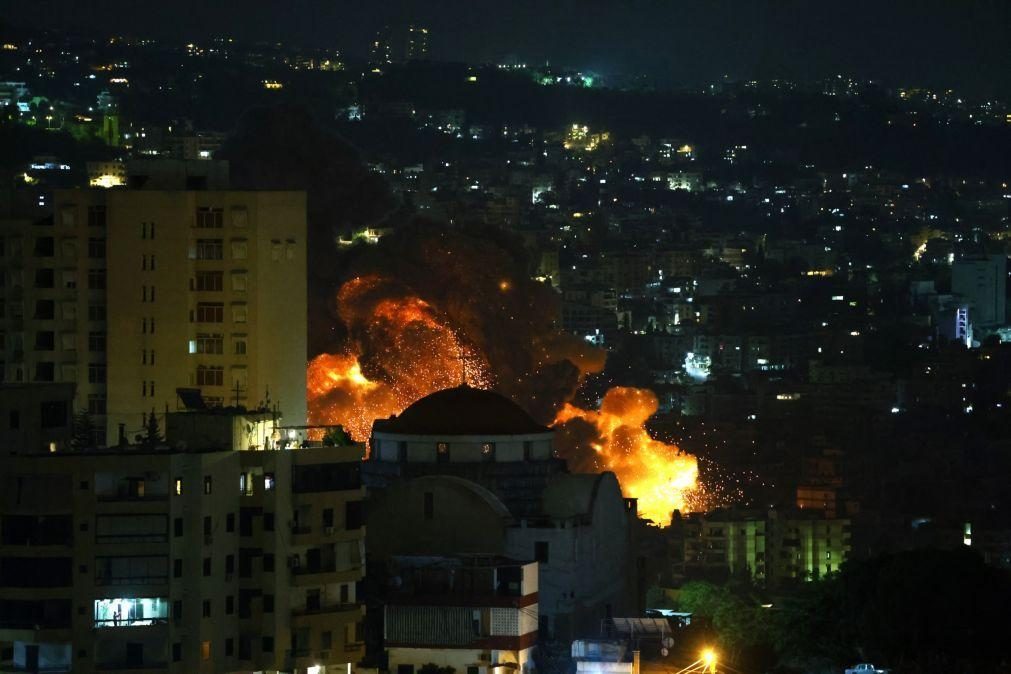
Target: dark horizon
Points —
{"points": [[946, 45]]}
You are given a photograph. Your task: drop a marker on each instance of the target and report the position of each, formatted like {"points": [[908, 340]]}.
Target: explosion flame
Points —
{"points": [[659, 475], [428, 309]]}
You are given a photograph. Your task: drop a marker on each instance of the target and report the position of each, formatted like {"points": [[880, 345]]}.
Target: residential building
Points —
{"points": [[982, 281], [772, 547], [183, 558], [473, 613], [36, 417], [132, 293]]}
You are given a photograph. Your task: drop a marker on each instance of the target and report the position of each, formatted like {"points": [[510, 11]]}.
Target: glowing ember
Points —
{"points": [[659, 475]]}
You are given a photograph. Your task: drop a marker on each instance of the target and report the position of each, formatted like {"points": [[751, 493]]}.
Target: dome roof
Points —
{"points": [[461, 411]]}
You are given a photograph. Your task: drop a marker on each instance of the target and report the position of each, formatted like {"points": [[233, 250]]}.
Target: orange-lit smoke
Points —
{"points": [[411, 353], [659, 475]]}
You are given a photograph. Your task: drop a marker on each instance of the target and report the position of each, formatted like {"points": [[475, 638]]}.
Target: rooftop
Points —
{"points": [[462, 410]]}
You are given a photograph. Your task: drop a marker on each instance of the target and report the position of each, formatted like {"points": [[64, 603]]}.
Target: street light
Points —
{"points": [[708, 658]]}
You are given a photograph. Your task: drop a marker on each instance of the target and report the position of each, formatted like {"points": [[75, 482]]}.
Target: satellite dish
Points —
{"points": [[664, 652], [668, 642]]}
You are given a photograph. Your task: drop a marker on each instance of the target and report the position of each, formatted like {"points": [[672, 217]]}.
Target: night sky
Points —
{"points": [[962, 44]]}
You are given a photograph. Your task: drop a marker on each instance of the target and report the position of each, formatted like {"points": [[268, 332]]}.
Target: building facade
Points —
{"points": [[132, 294], [465, 471], [182, 560], [473, 613]]}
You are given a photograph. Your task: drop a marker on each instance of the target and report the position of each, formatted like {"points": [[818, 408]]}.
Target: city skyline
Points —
{"points": [[939, 44]]}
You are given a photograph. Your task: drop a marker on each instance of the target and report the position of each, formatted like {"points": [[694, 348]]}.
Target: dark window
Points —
{"points": [[177, 610], [209, 343], [268, 562], [45, 371], [229, 605], [96, 216], [268, 521], [230, 522], [96, 311], [207, 525], [45, 278], [96, 279], [327, 517], [267, 644], [229, 646], [541, 551], [45, 341], [229, 564], [96, 403], [177, 652], [178, 526], [210, 218], [44, 246], [96, 342], [429, 505], [45, 309], [207, 566], [210, 376], [268, 603], [53, 414], [96, 373], [14, 420], [209, 281], [405, 669], [96, 248], [177, 568], [210, 249], [207, 608], [210, 312]]}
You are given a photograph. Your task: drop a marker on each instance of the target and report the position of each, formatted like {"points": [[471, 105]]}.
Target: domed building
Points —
{"points": [[468, 471]]}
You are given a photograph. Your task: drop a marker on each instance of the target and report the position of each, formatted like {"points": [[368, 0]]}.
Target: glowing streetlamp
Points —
{"points": [[708, 658]]}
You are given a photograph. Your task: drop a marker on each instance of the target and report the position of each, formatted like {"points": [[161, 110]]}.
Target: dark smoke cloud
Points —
{"points": [[477, 281]]}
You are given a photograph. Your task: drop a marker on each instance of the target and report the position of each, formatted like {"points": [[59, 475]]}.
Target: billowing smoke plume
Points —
{"points": [[431, 306]]}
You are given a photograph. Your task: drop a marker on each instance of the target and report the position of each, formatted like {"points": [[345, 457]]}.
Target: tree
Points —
{"points": [[152, 434], [83, 430]]}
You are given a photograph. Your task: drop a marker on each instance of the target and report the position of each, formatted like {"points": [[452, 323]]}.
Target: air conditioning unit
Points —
{"points": [[328, 531]]}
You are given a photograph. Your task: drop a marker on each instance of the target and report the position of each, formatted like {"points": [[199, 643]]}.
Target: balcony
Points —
{"points": [[339, 613], [322, 575]]}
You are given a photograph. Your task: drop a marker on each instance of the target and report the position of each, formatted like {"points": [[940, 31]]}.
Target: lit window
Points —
{"points": [[268, 481], [130, 612], [179, 486]]}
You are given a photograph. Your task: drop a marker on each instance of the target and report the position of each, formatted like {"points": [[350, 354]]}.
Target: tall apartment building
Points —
{"points": [[982, 281], [133, 293], [177, 561]]}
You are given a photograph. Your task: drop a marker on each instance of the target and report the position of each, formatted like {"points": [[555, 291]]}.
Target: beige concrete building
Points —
{"points": [[134, 293], [183, 560]]}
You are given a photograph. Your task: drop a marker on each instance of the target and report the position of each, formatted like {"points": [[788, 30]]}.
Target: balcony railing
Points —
{"points": [[330, 608]]}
